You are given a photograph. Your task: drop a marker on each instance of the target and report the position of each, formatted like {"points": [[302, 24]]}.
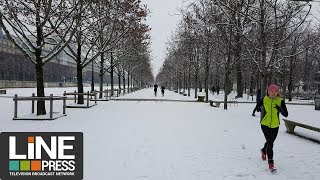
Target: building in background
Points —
{"points": [[14, 66]]}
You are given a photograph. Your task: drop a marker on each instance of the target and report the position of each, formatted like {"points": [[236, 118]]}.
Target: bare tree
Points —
{"points": [[26, 24]]}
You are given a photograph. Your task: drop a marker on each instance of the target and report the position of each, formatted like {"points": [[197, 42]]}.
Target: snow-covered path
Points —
{"points": [[178, 141]]}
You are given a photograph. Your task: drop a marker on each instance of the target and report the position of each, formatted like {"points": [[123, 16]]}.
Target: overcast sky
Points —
{"points": [[163, 20]]}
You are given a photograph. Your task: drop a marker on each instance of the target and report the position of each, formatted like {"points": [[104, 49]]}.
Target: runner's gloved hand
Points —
{"points": [[278, 108]]}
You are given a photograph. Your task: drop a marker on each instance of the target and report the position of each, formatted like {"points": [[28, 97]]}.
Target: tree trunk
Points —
{"points": [[79, 82], [226, 89], [239, 81], [101, 74], [92, 77], [237, 54], [196, 82], [124, 81], [217, 80], [206, 77], [283, 79], [263, 44], [189, 79], [119, 79], [132, 84], [79, 71], [306, 69], [128, 82], [179, 82], [290, 85], [41, 106], [111, 74]]}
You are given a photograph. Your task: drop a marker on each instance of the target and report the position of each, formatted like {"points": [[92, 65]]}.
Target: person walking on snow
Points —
{"points": [[162, 90], [257, 100], [271, 105], [155, 89]]}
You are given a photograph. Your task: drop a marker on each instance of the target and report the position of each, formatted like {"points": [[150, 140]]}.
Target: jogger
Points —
{"points": [[271, 105]]}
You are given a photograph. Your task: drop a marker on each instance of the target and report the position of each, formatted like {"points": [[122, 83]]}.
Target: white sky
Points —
{"points": [[163, 20]]}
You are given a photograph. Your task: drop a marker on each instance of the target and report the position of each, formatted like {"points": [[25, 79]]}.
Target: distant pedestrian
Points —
{"points": [[155, 88], [162, 90], [271, 105], [257, 100], [213, 89], [218, 89]]}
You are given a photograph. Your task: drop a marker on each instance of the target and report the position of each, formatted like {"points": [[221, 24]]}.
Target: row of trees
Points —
{"points": [[110, 33], [250, 42]]}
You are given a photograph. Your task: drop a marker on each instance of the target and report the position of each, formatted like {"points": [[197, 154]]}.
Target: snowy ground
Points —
{"points": [[176, 140]]}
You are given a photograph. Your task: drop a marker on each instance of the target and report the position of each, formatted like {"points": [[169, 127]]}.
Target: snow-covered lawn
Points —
{"points": [[176, 140]]}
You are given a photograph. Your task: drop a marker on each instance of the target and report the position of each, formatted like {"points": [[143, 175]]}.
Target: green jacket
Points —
{"points": [[272, 107]]}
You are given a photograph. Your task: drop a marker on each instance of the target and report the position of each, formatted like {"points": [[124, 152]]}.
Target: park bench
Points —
{"points": [[233, 101], [201, 98], [3, 91], [214, 103], [290, 125], [102, 94], [114, 92]]}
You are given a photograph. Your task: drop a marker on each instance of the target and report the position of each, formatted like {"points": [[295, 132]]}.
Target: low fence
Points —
{"points": [[76, 97], [33, 99]]}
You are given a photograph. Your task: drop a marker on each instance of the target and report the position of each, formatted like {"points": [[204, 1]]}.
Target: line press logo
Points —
{"points": [[41, 156]]}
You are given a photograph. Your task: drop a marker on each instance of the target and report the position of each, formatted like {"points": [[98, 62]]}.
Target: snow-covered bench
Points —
{"points": [[233, 101], [201, 98], [290, 125], [3, 91], [214, 103], [113, 94], [101, 95]]}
